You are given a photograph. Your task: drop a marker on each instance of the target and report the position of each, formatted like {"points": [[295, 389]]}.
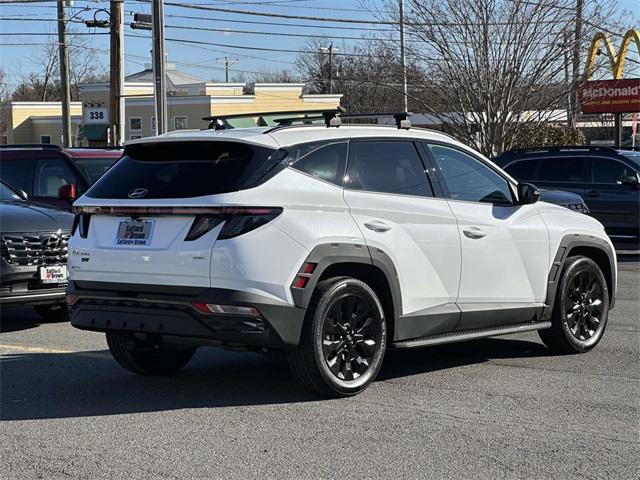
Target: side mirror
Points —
{"points": [[527, 194], [68, 192], [629, 180]]}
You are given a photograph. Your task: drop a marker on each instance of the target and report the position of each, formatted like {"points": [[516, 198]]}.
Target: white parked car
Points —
{"points": [[332, 244]]}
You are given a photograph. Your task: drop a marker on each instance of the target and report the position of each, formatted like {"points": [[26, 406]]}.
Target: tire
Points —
{"points": [[581, 308], [52, 313], [335, 357], [147, 360]]}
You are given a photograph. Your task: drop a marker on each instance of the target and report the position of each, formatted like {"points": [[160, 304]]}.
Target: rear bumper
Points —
{"points": [[167, 311]]}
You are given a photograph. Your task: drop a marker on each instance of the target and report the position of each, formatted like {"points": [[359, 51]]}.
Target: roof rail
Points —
{"points": [[41, 146], [557, 148]]}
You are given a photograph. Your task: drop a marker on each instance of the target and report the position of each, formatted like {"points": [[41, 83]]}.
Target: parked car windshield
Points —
{"points": [[94, 168], [184, 169], [6, 194]]}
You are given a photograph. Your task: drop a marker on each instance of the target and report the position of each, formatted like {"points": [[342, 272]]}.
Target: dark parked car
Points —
{"points": [[569, 200], [607, 179], [51, 175], [33, 251]]}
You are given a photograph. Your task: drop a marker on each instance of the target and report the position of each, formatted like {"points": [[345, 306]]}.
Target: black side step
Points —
{"points": [[462, 336]]}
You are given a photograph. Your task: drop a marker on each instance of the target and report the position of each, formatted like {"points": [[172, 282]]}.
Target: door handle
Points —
{"points": [[473, 232], [593, 193], [377, 226]]}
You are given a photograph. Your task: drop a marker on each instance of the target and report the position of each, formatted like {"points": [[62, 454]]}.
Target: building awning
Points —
{"points": [[95, 131]]}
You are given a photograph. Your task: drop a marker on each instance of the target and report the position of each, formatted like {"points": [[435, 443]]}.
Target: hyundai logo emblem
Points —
{"points": [[138, 193]]}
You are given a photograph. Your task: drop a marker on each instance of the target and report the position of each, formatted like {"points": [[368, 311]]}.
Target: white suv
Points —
{"points": [[331, 244]]}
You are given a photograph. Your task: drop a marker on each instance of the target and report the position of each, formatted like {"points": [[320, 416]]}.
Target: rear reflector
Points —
{"points": [[301, 282], [71, 299], [212, 308]]}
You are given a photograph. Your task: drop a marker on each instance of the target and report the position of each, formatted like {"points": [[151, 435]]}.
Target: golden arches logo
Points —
{"points": [[617, 61]]}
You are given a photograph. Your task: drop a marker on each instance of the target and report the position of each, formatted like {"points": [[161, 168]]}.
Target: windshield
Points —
{"points": [[7, 194], [94, 168], [184, 169]]}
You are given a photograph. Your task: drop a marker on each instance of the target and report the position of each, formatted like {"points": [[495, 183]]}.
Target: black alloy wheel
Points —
{"points": [[581, 308], [343, 339], [349, 337], [584, 305]]}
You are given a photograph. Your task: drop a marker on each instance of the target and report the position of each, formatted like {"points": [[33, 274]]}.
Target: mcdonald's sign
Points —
{"points": [[610, 96], [616, 60]]}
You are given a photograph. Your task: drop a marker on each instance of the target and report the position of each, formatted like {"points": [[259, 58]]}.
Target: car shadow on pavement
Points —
{"points": [[15, 320], [61, 385]]}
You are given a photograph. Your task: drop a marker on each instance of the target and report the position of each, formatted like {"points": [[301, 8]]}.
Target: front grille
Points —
{"points": [[578, 207], [35, 249]]}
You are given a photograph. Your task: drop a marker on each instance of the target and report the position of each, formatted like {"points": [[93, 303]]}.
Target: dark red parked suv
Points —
{"points": [[52, 175]]}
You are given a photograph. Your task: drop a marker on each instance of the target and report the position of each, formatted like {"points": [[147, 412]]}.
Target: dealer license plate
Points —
{"points": [[53, 274], [135, 232]]}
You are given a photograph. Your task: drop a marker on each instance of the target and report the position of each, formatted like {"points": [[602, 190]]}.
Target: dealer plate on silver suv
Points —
{"points": [[135, 232], [53, 274]]}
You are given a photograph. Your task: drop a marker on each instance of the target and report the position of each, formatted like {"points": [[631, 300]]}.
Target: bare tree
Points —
{"points": [[368, 75], [44, 84], [493, 65]]}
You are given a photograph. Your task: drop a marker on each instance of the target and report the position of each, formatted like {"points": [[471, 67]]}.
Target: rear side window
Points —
{"points": [[325, 162], [94, 168], [562, 169], [522, 169], [185, 169], [387, 167], [18, 173]]}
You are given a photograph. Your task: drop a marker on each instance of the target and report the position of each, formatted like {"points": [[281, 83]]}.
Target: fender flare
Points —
{"points": [[568, 243], [328, 254]]}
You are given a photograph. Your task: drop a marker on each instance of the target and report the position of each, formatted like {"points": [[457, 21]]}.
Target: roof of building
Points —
{"points": [[175, 77]]}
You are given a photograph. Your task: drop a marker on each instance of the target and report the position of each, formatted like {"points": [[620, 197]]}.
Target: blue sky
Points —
{"points": [[200, 60]]}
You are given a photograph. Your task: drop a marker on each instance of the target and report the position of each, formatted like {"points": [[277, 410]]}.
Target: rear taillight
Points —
{"points": [[81, 223], [237, 221]]}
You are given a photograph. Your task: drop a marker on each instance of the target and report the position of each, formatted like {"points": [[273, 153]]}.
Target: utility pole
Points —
{"points": [[116, 100], [65, 91], [330, 49], [575, 77], [227, 62], [159, 66], [403, 60]]}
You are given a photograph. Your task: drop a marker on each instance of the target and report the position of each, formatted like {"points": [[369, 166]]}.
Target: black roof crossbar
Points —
{"points": [[401, 118], [219, 122], [289, 120]]}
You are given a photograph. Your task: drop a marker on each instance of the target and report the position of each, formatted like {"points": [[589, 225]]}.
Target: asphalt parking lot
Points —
{"points": [[496, 408]]}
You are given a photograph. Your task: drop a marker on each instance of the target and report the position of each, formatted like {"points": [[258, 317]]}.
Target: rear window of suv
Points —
{"points": [[186, 169]]}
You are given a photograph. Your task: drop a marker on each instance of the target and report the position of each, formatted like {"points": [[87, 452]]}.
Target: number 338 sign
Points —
{"points": [[96, 115]]}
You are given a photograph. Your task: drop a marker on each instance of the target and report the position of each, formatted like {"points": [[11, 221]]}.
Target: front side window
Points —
{"points": [[51, 174], [135, 123], [562, 169], [468, 178], [325, 162], [605, 170], [387, 167]]}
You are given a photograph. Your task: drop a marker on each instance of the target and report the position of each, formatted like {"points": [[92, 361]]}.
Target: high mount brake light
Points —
{"points": [[237, 220]]}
